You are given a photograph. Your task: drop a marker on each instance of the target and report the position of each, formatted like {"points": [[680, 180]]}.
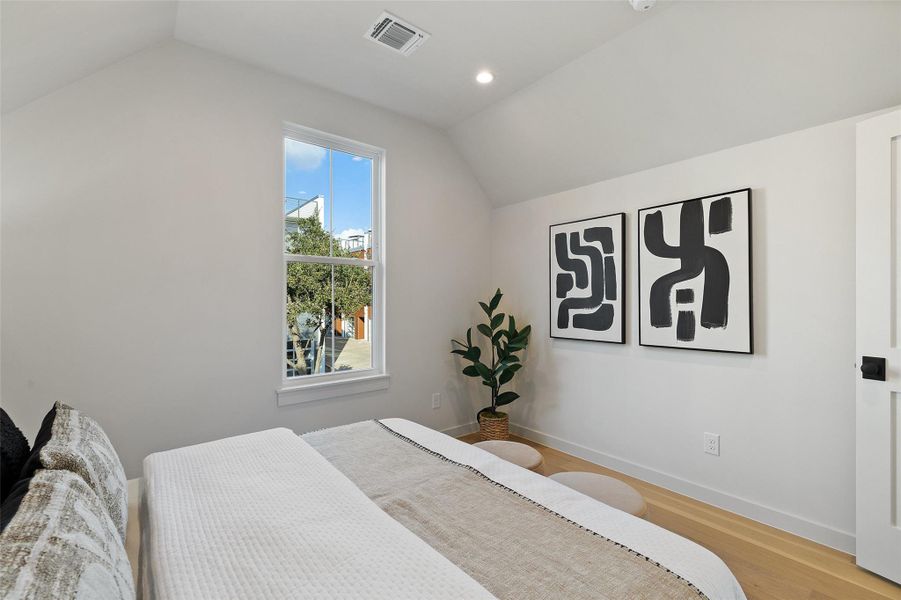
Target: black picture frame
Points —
{"points": [[619, 258], [749, 276]]}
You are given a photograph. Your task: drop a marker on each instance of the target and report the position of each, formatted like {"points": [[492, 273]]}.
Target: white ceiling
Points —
{"points": [[585, 91], [46, 45], [700, 77], [49, 44], [322, 42]]}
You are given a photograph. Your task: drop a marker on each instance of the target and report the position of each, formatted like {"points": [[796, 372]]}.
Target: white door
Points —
{"points": [[878, 337]]}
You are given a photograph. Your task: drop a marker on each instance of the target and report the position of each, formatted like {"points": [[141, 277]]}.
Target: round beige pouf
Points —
{"points": [[608, 490], [519, 454]]}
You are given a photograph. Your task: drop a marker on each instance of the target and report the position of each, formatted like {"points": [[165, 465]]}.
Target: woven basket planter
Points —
{"points": [[494, 427]]}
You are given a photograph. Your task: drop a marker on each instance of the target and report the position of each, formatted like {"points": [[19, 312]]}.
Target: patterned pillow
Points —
{"points": [[78, 444], [61, 543]]}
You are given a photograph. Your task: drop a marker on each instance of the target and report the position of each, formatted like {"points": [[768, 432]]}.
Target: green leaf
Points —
{"points": [[484, 371], [484, 330], [496, 300], [497, 337], [460, 352], [506, 376], [521, 340], [497, 320], [506, 398], [458, 343], [513, 368], [473, 354], [511, 326], [471, 371], [469, 337], [486, 308]]}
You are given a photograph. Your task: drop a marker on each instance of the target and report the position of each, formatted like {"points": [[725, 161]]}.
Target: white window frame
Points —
{"points": [[319, 386]]}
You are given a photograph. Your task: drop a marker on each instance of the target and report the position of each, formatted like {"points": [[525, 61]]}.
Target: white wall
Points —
{"points": [[141, 253], [785, 414]]}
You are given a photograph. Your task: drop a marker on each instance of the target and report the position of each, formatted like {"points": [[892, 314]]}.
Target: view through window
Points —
{"points": [[330, 200]]}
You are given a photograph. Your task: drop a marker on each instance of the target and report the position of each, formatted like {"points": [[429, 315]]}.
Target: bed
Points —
{"points": [[392, 509]]}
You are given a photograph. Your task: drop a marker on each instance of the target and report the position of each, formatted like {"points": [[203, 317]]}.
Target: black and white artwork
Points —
{"points": [[694, 274], [586, 279]]}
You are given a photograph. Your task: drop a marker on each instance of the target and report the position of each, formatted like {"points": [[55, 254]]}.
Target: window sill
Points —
{"points": [[311, 392]]}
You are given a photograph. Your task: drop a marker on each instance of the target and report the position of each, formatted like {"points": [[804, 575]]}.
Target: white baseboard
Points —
{"points": [[823, 534], [458, 430]]}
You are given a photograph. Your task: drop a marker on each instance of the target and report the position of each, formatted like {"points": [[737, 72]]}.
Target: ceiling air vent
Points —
{"points": [[396, 34]]}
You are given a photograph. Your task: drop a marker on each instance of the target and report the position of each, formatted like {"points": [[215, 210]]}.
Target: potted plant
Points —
{"points": [[505, 343]]}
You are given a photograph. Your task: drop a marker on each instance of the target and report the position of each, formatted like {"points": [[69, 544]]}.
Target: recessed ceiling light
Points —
{"points": [[485, 77]]}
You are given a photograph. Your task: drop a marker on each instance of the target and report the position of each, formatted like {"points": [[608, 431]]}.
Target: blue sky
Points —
{"points": [[306, 175]]}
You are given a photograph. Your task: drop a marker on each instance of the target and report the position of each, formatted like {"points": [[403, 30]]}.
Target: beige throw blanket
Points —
{"points": [[511, 545]]}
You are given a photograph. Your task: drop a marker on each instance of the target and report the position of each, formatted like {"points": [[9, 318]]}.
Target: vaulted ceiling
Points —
{"points": [[323, 42], [584, 91], [700, 77], [49, 44]]}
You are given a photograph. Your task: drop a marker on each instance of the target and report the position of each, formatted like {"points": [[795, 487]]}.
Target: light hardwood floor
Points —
{"points": [[769, 563]]}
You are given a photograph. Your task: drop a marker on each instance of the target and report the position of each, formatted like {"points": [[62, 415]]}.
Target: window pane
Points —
{"points": [[352, 205], [321, 337], [306, 208], [353, 315]]}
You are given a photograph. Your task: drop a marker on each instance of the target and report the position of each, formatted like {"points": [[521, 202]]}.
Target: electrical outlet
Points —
{"points": [[712, 443], [436, 400]]}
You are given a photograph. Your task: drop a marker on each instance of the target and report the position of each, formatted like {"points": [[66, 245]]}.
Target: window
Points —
{"points": [[334, 279]]}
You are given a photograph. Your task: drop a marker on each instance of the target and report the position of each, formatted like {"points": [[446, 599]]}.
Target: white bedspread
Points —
{"points": [[685, 558], [265, 516]]}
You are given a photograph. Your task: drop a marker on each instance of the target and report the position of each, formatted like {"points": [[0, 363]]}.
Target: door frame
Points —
{"points": [[878, 423]]}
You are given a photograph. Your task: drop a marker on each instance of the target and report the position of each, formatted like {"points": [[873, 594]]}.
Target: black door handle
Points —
{"points": [[873, 367]]}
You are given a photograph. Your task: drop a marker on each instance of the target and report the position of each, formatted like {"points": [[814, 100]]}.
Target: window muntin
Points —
{"points": [[333, 286]]}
